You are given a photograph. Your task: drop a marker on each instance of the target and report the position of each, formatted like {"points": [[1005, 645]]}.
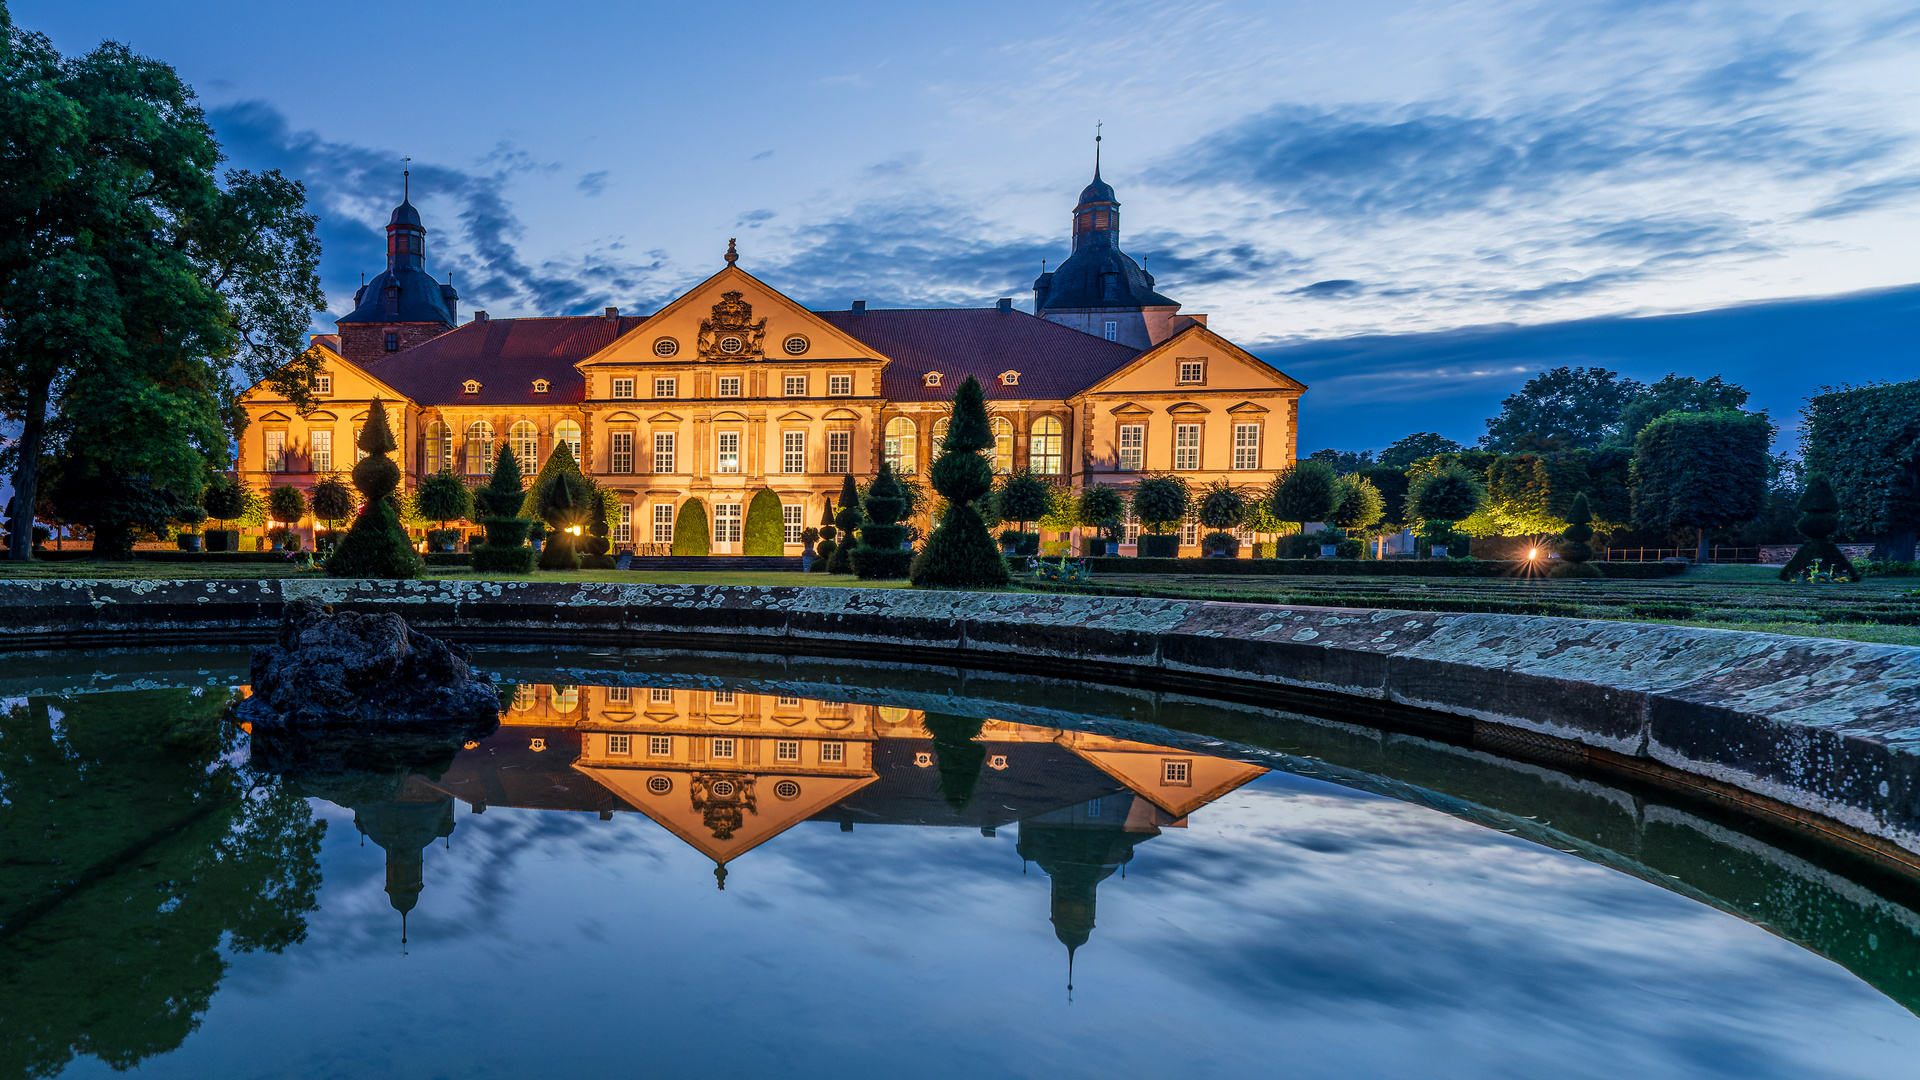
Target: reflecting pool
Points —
{"points": [[669, 865]]}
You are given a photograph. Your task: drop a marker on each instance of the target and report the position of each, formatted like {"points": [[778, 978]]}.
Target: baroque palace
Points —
{"points": [[734, 387]]}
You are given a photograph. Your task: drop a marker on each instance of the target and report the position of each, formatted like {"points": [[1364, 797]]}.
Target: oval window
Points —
{"points": [[787, 789], [731, 345], [797, 345], [665, 346], [723, 789], [659, 785]]}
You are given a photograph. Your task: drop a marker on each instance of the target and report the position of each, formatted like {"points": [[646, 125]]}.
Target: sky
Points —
{"points": [[1411, 206]]}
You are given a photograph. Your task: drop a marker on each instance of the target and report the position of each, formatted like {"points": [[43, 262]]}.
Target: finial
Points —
{"points": [[1096, 147], [733, 256], [720, 875], [1069, 976]]}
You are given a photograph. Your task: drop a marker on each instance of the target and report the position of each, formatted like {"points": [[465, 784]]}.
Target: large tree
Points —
{"points": [[1563, 409], [1404, 452], [1701, 471], [1866, 440], [134, 279], [1675, 393]]}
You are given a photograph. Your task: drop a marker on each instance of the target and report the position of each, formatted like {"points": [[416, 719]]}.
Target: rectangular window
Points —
{"points": [[1186, 447], [620, 694], [1133, 447], [787, 702], [839, 385], [1130, 528], [665, 388], [276, 451], [721, 750], [393, 341], [796, 385], [1112, 330], [833, 753], [660, 696], [323, 451], [622, 457], [1246, 446], [727, 459], [620, 744], [623, 532], [623, 388], [1094, 807], [323, 385], [1190, 533], [1176, 772], [359, 455], [839, 452], [663, 523], [659, 746], [663, 451], [728, 386], [793, 452], [793, 516], [1193, 371], [723, 697], [786, 749], [726, 523]]}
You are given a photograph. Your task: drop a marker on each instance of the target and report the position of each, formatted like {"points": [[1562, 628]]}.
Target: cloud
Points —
{"points": [[1334, 289], [593, 183]]}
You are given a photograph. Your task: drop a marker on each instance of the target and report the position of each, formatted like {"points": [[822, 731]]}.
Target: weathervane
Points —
{"points": [[406, 176], [1097, 125]]}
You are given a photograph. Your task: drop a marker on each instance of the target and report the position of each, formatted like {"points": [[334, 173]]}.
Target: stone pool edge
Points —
{"points": [[1810, 733]]}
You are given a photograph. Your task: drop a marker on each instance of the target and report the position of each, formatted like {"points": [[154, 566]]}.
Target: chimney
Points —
{"points": [[479, 316], [1004, 306], [613, 313], [859, 307]]}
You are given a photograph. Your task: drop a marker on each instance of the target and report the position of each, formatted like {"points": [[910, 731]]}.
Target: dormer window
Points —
{"points": [[541, 386], [932, 378], [471, 386], [1009, 378]]}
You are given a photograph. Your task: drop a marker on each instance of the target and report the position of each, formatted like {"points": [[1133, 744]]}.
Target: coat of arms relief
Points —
{"points": [[731, 334]]}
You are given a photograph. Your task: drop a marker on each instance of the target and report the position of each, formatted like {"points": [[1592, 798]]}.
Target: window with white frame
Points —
{"points": [[1189, 533], [479, 448], [663, 452], [786, 749], [322, 385], [439, 447], [620, 744], [727, 386], [793, 451], [1002, 445], [623, 532], [619, 694], [524, 441], [359, 455], [794, 517], [1112, 330], [1186, 447], [323, 452], [833, 753], [1246, 446], [721, 750], [1043, 446], [660, 695], [666, 387], [1129, 528], [726, 523], [787, 702], [839, 452], [276, 444], [568, 431], [727, 454], [1133, 447], [1193, 371], [899, 445], [659, 746], [796, 385], [663, 523], [1176, 772], [723, 697], [621, 459], [840, 385], [623, 388]]}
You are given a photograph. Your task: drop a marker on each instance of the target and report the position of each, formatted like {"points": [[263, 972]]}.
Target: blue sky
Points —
{"points": [[1411, 206]]}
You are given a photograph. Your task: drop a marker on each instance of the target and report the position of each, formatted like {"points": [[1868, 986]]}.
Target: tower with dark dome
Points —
{"points": [[1100, 290], [402, 306]]}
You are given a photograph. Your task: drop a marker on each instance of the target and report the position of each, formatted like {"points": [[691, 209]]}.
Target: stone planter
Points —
{"points": [[223, 539], [188, 541], [1331, 551], [1158, 547]]}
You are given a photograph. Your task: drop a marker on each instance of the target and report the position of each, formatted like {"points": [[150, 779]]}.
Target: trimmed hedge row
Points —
{"points": [[1448, 604], [173, 556], [449, 558], [1469, 568]]}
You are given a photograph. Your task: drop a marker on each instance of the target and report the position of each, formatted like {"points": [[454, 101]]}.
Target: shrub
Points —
{"points": [[444, 497], [848, 519], [376, 546], [1305, 491], [566, 501], [882, 553], [1102, 508], [1220, 541], [823, 556], [1350, 549], [503, 559], [691, 535], [766, 531], [1575, 551], [1818, 522], [1222, 507], [287, 504], [1158, 546], [1161, 502], [331, 502], [960, 554], [1445, 494]]}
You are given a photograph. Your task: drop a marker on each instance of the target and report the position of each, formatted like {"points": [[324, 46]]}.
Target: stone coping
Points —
{"points": [[1818, 735]]}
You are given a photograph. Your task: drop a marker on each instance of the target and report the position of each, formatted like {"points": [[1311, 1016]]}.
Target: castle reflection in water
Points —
{"points": [[728, 771]]}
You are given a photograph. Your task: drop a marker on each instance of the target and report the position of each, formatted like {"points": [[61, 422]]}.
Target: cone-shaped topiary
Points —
{"points": [[882, 553], [828, 530], [561, 460], [960, 554], [691, 533], [1573, 546], [506, 550], [566, 502], [1819, 520], [766, 530], [377, 545], [848, 519], [960, 754]]}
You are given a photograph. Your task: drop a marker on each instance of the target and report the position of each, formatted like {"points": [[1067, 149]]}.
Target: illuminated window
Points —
{"points": [[522, 697], [721, 750], [619, 744], [1176, 772], [723, 697], [1009, 378], [786, 750], [439, 447], [832, 753], [1002, 445], [662, 524], [322, 385], [479, 448], [1189, 533], [276, 451], [666, 387], [660, 696], [1193, 371], [796, 385], [900, 449], [923, 759], [523, 441], [787, 702], [793, 521], [1130, 527], [940, 427], [931, 378], [623, 532], [1043, 448], [726, 523], [566, 698], [623, 388], [1186, 447], [471, 386], [1133, 447], [659, 746], [728, 386], [793, 451], [663, 451], [997, 761], [621, 459], [568, 431], [541, 386], [839, 452], [839, 385], [727, 459], [537, 745], [323, 451], [1246, 446]]}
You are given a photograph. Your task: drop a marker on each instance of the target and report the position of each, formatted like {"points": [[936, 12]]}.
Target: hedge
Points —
{"points": [[172, 556], [449, 558], [1484, 568]]}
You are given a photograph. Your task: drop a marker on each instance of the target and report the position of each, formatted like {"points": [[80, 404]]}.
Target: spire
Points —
{"points": [[406, 176], [1096, 147]]}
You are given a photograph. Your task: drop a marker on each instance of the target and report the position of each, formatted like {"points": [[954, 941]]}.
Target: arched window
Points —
{"points": [[940, 427], [479, 448], [439, 447], [524, 440], [568, 431], [900, 448], [1002, 445], [1043, 448], [564, 698]]}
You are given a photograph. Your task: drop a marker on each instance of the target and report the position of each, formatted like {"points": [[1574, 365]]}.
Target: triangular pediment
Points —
{"points": [[795, 417], [1248, 408], [732, 304], [726, 828], [663, 418], [1144, 770], [1131, 408], [276, 417], [1228, 367]]}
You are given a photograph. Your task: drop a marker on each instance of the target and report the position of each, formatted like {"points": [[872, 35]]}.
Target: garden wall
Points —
{"points": [[1466, 568]]}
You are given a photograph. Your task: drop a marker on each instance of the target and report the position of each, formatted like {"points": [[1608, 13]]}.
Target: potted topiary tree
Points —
{"points": [[376, 546], [1102, 508], [1023, 498], [506, 550], [286, 504], [1305, 491], [1222, 509], [1441, 498], [766, 529], [443, 497], [1160, 503], [823, 551], [224, 500], [190, 519], [960, 554], [848, 518], [331, 503], [1361, 509]]}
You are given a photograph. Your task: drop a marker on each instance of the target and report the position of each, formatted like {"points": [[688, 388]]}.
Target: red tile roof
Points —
{"points": [[505, 356], [1054, 361]]}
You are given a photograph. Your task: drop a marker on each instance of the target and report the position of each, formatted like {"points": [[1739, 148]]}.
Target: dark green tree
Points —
{"points": [[332, 502], [960, 754], [1866, 441], [766, 530], [444, 497], [1223, 506], [960, 554], [1404, 452], [1306, 491], [1438, 499], [1566, 408], [286, 504], [848, 519], [1819, 520], [1361, 506], [692, 534], [1392, 485], [1161, 503], [882, 554], [506, 550], [1024, 498], [567, 502], [1701, 471], [376, 546], [1102, 507], [1575, 546], [1675, 393], [1344, 461], [118, 508]]}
